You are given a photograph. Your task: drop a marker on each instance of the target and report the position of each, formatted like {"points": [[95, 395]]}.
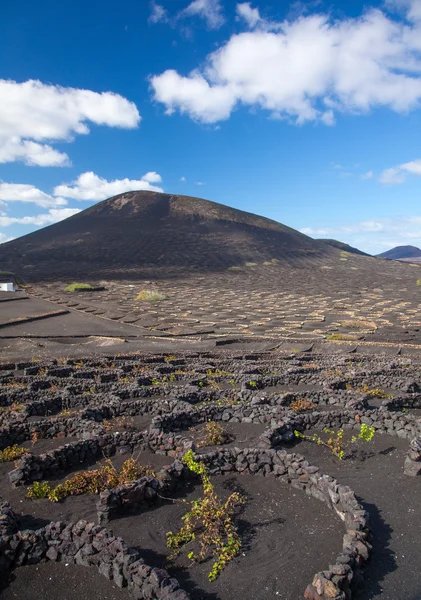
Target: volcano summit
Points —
{"points": [[139, 234]]}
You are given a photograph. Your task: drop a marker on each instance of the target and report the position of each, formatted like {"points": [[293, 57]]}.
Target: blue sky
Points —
{"points": [[307, 113]]}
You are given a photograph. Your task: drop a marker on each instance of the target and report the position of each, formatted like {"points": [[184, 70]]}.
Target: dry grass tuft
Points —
{"points": [[150, 296], [75, 287], [345, 337], [358, 324]]}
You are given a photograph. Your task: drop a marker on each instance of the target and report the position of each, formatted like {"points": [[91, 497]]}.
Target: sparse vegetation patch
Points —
{"points": [[357, 324], [208, 527], [335, 441], [301, 404], [345, 337], [214, 435], [78, 287], [90, 482], [150, 296], [11, 453]]}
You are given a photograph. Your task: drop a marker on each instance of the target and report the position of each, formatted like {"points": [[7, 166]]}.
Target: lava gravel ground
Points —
{"points": [[287, 537], [393, 502], [53, 581]]}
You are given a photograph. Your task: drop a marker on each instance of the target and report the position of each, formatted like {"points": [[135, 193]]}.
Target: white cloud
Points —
{"points": [[368, 175], [306, 69], [208, 10], [414, 167], [392, 176], [399, 173], [182, 179], [314, 231], [250, 15], [158, 14], [412, 8], [193, 95], [199, 183], [53, 216], [19, 192], [32, 112], [89, 186], [374, 236], [152, 177], [31, 153]]}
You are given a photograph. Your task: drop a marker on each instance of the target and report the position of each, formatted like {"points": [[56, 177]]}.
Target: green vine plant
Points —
{"points": [[214, 435], [372, 392], [335, 442], [208, 526], [90, 482], [11, 453]]}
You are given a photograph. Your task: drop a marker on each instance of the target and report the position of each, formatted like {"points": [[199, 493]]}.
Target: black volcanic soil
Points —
{"points": [[53, 581], [241, 435], [37, 513], [287, 535], [393, 501], [342, 246], [161, 231], [45, 445]]}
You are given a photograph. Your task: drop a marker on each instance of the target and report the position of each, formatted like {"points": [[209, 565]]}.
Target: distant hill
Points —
{"points": [[344, 247], [400, 252], [148, 234]]}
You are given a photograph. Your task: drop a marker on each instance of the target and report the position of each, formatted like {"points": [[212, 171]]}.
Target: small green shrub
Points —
{"points": [[90, 482], [75, 287], [235, 269], [208, 525], [335, 442], [418, 282], [372, 392], [250, 264], [214, 435], [11, 453], [38, 490], [150, 296]]}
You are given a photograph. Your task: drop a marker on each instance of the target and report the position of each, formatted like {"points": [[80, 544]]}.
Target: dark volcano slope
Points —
{"points": [[400, 252], [140, 234], [344, 247]]}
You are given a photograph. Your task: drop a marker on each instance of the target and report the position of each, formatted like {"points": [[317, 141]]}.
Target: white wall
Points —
{"points": [[7, 287]]}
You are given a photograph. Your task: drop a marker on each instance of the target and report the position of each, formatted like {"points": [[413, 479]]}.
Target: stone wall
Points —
{"points": [[399, 424], [336, 583], [89, 545], [30, 468], [142, 493]]}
